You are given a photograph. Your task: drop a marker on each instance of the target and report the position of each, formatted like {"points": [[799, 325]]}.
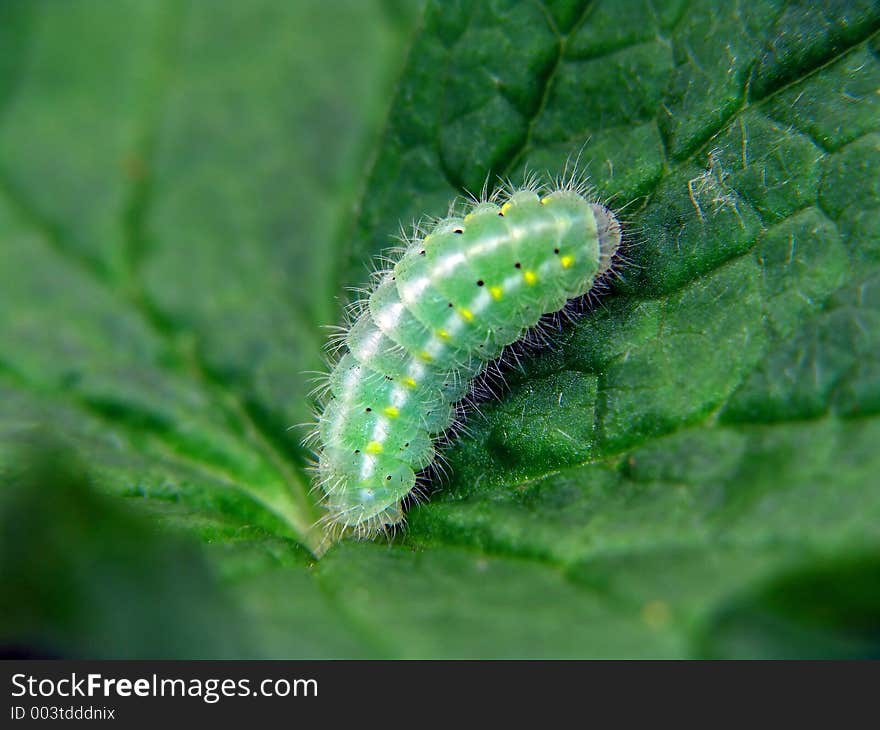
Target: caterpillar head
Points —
{"points": [[608, 230]]}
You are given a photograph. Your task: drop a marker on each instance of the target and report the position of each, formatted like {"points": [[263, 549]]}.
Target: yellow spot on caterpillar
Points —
{"points": [[546, 200], [469, 216], [497, 292], [443, 334], [410, 382], [426, 356], [466, 314], [505, 208], [392, 411], [374, 447], [566, 261], [530, 276], [427, 238]]}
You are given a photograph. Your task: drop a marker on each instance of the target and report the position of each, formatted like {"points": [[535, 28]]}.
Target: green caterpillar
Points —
{"points": [[450, 304]]}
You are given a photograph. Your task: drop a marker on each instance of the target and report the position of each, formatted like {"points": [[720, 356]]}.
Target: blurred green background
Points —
{"points": [[187, 187]]}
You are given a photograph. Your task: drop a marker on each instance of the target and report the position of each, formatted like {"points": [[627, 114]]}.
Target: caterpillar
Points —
{"points": [[462, 289]]}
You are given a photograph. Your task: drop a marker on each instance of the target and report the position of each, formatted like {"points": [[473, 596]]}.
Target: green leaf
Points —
{"points": [[678, 474], [84, 575]]}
